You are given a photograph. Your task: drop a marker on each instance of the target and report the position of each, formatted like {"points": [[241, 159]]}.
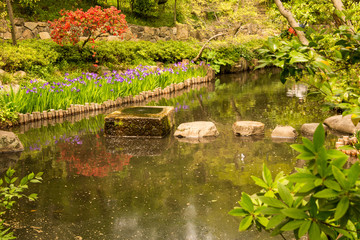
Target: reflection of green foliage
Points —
{"points": [[45, 136], [259, 99]]}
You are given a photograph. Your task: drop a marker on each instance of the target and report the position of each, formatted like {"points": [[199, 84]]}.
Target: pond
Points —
{"points": [[100, 188]]}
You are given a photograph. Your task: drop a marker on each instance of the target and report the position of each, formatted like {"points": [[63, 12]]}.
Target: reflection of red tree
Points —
{"points": [[89, 159]]}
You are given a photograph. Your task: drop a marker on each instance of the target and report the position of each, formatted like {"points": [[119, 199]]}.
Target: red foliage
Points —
{"points": [[92, 23]]}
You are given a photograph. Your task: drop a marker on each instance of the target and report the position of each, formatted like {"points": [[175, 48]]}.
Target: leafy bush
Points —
{"points": [[35, 55], [321, 199], [12, 190], [27, 54]]}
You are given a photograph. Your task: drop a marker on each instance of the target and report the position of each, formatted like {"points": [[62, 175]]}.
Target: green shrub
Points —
{"points": [[321, 199], [27, 54]]}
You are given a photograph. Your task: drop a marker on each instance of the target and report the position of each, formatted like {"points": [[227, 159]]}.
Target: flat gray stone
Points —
{"points": [[198, 129], [9, 142], [342, 124], [284, 132], [248, 128]]}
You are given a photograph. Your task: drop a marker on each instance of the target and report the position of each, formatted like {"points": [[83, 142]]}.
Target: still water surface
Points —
{"points": [[100, 188]]}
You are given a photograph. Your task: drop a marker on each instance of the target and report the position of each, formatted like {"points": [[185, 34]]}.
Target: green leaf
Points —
{"points": [[272, 44], [294, 213], [260, 182], [344, 232], [301, 177], [13, 180], [339, 162], [238, 212], [273, 202], [332, 184], [339, 176], [263, 221], [326, 193], [245, 223], [301, 148], [7, 180], [267, 175], [297, 57], [304, 228], [35, 181], [280, 64], [314, 231], [285, 194], [319, 137], [353, 173], [308, 144], [275, 220], [306, 156], [355, 119], [313, 207], [307, 187], [23, 181], [32, 196], [321, 161], [270, 211], [39, 174], [31, 176], [341, 208], [246, 203], [292, 225], [351, 226], [328, 231]]}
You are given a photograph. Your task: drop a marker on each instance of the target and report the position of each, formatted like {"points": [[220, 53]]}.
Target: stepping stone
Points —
{"points": [[308, 129], [198, 129], [284, 132], [248, 128], [342, 124]]}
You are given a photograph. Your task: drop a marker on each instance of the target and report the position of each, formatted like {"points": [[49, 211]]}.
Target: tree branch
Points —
{"points": [[340, 7], [290, 18], [203, 47]]}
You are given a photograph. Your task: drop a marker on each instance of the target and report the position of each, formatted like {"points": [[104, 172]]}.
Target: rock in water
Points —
{"points": [[284, 132], [308, 129], [342, 124], [9, 142], [198, 129], [248, 128]]}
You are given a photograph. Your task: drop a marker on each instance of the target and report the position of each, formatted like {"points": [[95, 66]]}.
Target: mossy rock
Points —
{"points": [[143, 121]]}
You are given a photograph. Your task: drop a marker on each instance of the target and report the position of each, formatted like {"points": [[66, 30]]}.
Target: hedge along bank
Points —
{"points": [[76, 105]]}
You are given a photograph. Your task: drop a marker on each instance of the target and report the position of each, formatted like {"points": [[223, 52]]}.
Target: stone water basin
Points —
{"points": [[140, 121]]}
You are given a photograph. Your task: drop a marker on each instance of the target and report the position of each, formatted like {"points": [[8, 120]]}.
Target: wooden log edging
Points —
{"points": [[76, 111]]}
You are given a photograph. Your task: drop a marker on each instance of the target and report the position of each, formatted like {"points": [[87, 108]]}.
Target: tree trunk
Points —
{"points": [[340, 7], [290, 18], [118, 4], [175, 12], [11, 17], [203, 47]]}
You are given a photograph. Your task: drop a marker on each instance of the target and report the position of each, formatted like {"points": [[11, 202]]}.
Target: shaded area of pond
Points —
{"points": [[100, 188]]}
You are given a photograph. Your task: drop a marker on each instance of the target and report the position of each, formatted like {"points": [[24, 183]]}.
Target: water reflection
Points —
{"points": [[298, 90], [107, 188]]}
